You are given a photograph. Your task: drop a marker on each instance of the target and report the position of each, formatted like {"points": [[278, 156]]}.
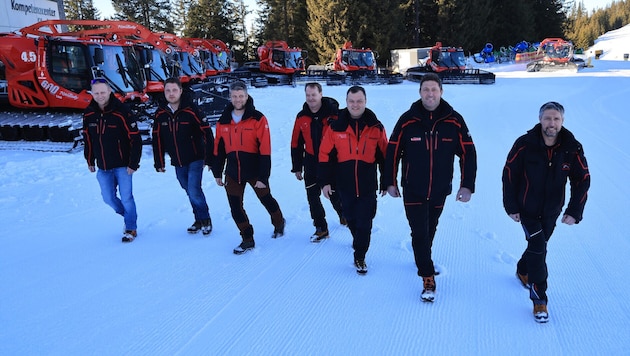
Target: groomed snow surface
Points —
{"points": [[68, 286]]}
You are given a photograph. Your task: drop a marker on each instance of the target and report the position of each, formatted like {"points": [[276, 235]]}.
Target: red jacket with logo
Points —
{"points": [[246, 146], [308, 132], [359, 146]]}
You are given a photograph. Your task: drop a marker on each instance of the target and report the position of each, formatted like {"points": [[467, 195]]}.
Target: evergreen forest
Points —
{"points": [[322, 26]]}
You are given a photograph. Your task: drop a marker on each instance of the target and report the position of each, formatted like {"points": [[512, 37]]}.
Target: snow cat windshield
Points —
{"points": [[290, 59], [452, 59], [189, 64], [121, 67], [220, 61], [358, 58]]}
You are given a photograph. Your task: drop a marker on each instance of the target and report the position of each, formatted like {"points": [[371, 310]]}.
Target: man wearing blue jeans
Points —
{"points": [[113, 144], [180, 131]]}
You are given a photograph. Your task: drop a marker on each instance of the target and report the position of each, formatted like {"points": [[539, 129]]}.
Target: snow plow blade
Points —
{"points": [[546, 66], [455, 76]]}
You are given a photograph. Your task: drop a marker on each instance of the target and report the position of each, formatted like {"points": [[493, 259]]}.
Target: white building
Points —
{"points": [[16, 14]]}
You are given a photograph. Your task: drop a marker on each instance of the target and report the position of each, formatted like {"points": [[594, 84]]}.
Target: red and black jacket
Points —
{"points": [[535, 176], [246, 146], [427, 143], [111, 136], [308, 132], [183, 134], [359, 147]]}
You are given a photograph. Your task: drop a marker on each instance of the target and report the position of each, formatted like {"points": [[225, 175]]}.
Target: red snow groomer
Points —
{"points": [[449, 63], [557, 55]]}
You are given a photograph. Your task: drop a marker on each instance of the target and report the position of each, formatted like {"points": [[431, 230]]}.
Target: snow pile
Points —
{"points": [[614, 44]]}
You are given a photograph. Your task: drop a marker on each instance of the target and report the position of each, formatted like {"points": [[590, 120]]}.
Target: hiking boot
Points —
{"points": [[540, 313], [279, 231], [428, 293], [523, 279], [361, 266], [343, 221], [129, 235], [195, 227], [320, 235], [206, 226], [244, 247]]}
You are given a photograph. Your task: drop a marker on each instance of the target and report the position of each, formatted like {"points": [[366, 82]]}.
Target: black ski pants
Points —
{"points": [[423, 220], [359, 213], [313, 193], [533, 262]]}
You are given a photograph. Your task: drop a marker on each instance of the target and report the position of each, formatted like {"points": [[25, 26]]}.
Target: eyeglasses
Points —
{"points": [[98, 80], [551, 105]]}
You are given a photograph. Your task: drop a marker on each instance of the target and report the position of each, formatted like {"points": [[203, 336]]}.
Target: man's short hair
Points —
{"points": [[355, 89], [431, 77], [313, 85], [173, 80], [551, 105], [238, 85]]}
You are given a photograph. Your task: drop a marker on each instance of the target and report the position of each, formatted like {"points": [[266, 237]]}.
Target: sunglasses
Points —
{"points": [[98, 80]]}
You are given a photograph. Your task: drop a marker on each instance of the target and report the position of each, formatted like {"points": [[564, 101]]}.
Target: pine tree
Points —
{"points": [[179, 16], [80, 10], [153, 14]]}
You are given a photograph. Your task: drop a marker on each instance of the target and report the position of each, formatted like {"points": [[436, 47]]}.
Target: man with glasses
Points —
{"points": [[534, 180], [180, 131], [113, 144], [243, 140]]}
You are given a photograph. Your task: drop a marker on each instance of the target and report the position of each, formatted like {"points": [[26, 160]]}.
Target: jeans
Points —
{"points": [[189, 178], [110, 180]]}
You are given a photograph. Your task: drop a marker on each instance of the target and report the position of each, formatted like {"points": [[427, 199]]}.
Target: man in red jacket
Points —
{"points": [[180, 131], [310, 124], [358, 141], [112, 140], [427, 138], [242, 139]]}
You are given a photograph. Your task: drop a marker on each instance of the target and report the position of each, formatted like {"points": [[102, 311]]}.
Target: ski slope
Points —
{"points": [[68, 286]]}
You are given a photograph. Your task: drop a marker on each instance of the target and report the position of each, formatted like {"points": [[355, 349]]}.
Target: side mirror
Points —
{"points": [[99, 57]]}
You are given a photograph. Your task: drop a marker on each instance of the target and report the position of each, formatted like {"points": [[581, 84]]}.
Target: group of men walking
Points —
{"points": [[345, 155]]}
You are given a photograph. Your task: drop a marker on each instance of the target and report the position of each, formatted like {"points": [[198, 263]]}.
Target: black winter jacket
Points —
{"points": [[111, 136], [183, 134], [427, 143], [535, 176]]}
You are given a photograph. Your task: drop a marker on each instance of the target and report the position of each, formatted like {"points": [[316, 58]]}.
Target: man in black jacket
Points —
{"points": [[112, 141], [310, 124], [534, 180], [427, 138], [180, 131]]}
